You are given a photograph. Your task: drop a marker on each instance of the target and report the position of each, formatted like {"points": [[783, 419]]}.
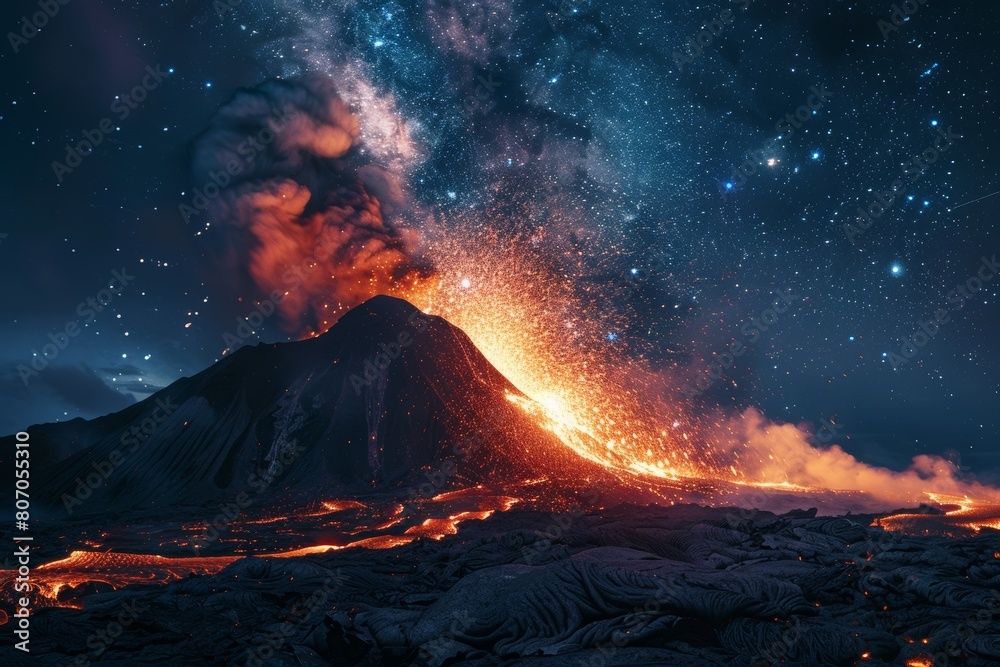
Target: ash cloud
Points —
{"points": [[776, 453], [302, 209]]}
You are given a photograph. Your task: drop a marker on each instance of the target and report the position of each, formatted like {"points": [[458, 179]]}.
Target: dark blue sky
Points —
{"points": [[601, 112]]}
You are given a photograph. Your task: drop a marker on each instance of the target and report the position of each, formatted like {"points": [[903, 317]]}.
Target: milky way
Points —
{"points": [[663, 180]]}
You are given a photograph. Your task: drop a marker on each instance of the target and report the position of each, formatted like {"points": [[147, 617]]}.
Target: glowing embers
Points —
{"points": [[530, 321], [625, 454]]}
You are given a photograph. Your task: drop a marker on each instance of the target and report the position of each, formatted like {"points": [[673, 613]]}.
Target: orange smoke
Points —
{"points": [[301, 205], [770, 454], [325, 262]]}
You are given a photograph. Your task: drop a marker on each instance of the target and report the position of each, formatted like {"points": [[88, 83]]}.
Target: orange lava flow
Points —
{"points": [[123, 569], [117, 569], [528, 324], [963, 516]]}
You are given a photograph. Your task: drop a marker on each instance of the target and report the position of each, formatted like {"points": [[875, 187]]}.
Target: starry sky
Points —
{"points": [[612, 135]]}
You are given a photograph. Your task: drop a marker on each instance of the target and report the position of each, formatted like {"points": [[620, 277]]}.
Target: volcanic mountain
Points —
{"points": [[326, 565], [386, 393]]}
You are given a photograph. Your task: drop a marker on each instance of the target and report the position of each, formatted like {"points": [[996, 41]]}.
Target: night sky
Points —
{"points": [[601, 131]]}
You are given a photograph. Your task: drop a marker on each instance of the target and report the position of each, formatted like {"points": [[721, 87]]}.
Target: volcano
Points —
{"points": [[359, 452], [385, 394]]}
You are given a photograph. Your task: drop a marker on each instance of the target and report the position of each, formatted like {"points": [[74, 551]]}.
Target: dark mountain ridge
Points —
{"points": [[386, 393]]}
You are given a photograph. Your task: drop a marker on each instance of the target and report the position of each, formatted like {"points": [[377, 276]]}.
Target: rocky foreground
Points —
{"points": [[631, 586]]}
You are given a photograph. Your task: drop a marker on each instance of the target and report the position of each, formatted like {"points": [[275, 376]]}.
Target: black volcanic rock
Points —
{"points": [[385, 393], [630, 586]]}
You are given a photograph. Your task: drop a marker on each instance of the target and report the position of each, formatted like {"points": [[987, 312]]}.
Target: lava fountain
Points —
{"points": [[528, 321]]}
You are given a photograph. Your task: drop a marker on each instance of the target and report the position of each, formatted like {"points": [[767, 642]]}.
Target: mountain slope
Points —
{"points": [[384, 394]]}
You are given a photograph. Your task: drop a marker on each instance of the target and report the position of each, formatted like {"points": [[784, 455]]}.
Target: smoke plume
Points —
{"points": [[302, 209], [781, 453]]}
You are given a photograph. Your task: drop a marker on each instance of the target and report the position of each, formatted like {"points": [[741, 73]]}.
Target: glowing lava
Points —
{"points": [[526, 320], [58, 582]]}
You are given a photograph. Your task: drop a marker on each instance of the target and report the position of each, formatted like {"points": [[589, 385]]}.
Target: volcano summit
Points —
{"points": [[385, 394]]}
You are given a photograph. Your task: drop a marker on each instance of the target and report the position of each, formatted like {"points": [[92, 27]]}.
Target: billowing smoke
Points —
{"points": [[780, 453], [302, 209]]}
